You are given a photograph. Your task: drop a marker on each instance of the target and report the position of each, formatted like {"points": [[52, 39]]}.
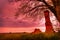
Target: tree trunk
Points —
{"points": [[48, 24]]}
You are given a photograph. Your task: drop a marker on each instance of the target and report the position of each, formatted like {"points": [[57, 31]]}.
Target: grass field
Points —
{"points": [[29, 36]]}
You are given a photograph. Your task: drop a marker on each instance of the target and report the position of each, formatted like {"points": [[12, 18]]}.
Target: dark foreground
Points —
{"points": [[29, 36]]}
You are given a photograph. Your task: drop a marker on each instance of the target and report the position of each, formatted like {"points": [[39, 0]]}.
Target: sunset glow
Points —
{"points": [[22, 23]]}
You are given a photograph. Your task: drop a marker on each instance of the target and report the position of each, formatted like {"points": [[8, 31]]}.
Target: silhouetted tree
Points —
{"points": [[51, 8]]}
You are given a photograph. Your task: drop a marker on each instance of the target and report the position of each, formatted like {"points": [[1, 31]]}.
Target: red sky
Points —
{"points": [[8, 22]]}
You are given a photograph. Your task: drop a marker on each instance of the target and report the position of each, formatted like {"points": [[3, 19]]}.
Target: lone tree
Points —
{"points": [[33, 12]]}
